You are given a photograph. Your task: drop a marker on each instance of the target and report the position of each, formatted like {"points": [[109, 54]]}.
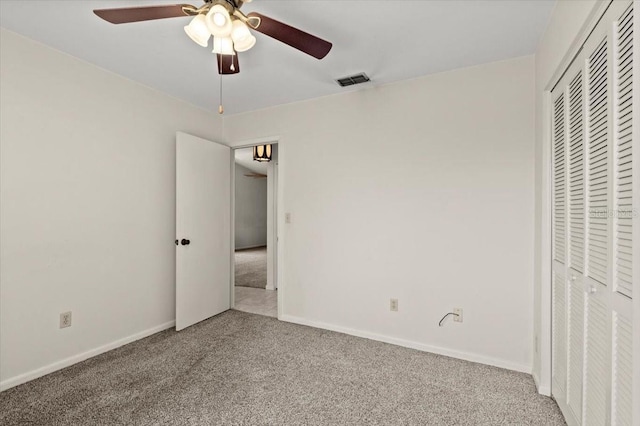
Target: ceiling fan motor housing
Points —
{"points": [[230, 5]]}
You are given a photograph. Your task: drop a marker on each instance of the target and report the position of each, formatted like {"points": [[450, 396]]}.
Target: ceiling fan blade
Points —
{"points": [[147, 13], [224, 64], [305, 42]]}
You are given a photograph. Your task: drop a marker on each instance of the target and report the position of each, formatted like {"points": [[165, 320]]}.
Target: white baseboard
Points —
{"points": [[59, 365], [542, 390], [467, 356]]}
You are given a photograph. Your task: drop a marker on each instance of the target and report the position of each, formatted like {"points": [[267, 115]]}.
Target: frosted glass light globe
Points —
{"points": [[218, 21], [197, 30]]}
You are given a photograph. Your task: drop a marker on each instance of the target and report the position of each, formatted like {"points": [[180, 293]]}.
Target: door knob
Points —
{"points": [[185, 242]]}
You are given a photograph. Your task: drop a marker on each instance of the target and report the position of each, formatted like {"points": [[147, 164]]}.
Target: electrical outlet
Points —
{"points": [[65, 320], [458, 316], [393, 305]]}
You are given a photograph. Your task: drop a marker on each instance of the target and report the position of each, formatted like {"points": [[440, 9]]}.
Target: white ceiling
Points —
{"points": [[389, 40]]}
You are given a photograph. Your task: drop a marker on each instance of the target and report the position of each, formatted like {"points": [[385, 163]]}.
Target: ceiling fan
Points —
{"points": [[228, 25]]}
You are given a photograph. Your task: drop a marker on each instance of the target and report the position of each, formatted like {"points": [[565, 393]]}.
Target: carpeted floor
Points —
{"points": [[244, 369], [256, 301], [251, 267]]}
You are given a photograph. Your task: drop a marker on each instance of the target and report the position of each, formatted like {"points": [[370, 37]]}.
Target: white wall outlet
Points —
{"points": [[287, 218], [458, 315], [393, 305], [65, 319]]}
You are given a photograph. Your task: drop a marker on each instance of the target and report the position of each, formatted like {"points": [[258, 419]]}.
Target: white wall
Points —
{"points": [[87, 206], [421, 190], [566, 22], [251, 210]]}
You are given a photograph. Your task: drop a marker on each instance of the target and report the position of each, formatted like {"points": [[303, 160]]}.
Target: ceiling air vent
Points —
{"points": [[354, 79]]}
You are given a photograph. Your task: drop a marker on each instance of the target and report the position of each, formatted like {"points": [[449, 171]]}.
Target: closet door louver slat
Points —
{"points": [[576, 348], [596, 367], [576, 174], [559, 181], [622, 372], [559, 333], [623, 155], [598, 165]]}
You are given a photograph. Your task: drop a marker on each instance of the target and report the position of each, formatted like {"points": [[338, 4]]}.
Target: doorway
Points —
{"points": [[254, 231]]}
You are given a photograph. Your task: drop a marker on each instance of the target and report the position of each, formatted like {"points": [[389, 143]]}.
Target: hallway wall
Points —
{"points": [[251, 210]]}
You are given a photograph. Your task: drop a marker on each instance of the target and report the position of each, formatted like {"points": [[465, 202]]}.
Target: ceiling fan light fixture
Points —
{"points": [[197, 30], [239, 31], [242, 38], [262, 153], [245, 45], [223, 46], [218, 21]]}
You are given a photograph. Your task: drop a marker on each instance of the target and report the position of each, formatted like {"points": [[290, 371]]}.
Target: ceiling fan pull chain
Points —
{"points": [[220, 108]]}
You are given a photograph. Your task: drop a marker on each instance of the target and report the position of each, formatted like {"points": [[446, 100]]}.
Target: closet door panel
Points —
{"points": [[577, 221], [623, 197], [560, 302], [597, 335]]}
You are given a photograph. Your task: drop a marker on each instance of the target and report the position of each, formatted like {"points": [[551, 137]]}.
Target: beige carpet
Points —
{"points": [[244, 369], [256, 301], [251, 267]]}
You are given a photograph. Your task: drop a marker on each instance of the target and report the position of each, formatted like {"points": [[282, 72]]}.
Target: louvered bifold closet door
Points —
{"points": [[575, 338], [559, 246], [622, 359], [597, 324], [595, 172]]}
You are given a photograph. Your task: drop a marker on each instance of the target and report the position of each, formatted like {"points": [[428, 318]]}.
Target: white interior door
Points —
{"points": [[272, 224], [203, 229]]}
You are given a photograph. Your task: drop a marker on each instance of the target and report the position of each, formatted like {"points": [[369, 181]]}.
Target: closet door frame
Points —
{"points": [[543, 336]]}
